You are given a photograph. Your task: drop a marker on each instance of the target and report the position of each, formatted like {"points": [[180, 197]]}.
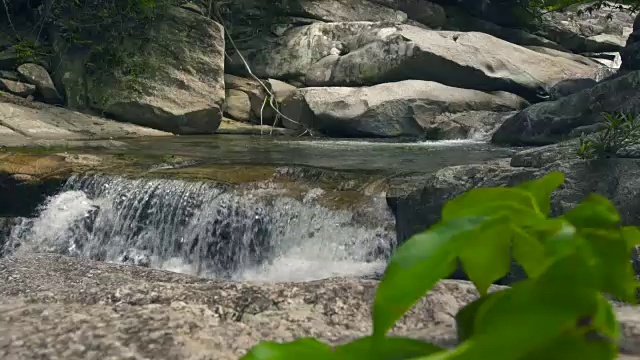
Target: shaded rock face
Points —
{"points": [[422, 11], [631, 53], [587, 32], [459, 20], [361, 53], [344, 10], [181, 89], [409, 108], [550, 122]]}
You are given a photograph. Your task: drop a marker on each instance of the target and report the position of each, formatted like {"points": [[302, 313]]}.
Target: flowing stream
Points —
{"points": [[204, 229]]}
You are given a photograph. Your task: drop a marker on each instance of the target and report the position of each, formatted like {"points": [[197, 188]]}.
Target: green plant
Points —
{"points": [[619, 130], [558, 312], [29, 51]]}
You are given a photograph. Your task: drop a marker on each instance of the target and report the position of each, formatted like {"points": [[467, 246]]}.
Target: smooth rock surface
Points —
{"points": [[23, 123], [410, 108], [553, 121], [364, 53]]}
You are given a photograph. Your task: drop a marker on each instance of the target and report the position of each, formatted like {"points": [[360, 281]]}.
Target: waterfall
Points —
{"points": [[204, 229]]}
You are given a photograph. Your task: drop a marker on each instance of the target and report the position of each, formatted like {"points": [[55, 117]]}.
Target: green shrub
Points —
{"points": [[559, 312], [619, 130]]}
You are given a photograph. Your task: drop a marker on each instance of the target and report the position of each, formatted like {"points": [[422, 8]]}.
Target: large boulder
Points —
{"points": [[39, 76], [579, 30], [178, 87], [631, 53], [365, 53], [550, 122], [410, 108]]}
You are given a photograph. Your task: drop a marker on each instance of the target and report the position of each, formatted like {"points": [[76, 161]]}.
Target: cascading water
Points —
{"points": [[203, 229]]}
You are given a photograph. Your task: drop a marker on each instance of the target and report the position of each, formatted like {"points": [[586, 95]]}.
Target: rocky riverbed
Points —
{"points": [[57, 307]]}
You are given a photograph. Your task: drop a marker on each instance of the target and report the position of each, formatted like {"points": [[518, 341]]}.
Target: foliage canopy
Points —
{"points": [[559, 312]]}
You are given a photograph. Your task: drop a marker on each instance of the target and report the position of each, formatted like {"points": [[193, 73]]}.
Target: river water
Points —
{"points": [[257, 233]]}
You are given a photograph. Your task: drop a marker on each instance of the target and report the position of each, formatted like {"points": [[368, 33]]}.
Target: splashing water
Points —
{"points": [[203, 229]]}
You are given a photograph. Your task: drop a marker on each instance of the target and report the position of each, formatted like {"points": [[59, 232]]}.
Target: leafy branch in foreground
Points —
{"points": [[619, 130], [559, 312]]}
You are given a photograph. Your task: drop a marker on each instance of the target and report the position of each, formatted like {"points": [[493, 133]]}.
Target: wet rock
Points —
{"points": [[553, 121], [135, 257], [410, 108], [17, 88], [38, 76]]}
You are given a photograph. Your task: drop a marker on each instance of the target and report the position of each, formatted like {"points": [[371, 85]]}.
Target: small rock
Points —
{"points": [[17, 88], [38, 76]]}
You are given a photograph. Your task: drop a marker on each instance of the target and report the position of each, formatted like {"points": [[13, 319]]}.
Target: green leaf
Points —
{"points": [[308, 349], [486, 255], [387, 348], [608, 248], [492, 202], [528, 252], [530, 315], [466, 317], [605, 319], [542, 188], [595, 211], [415, 267], [631, 234], [575, 346]]}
